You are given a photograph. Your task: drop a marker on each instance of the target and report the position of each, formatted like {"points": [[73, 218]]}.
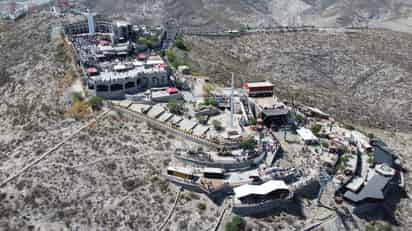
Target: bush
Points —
{"points": [[378, 226], [371, 135], [217, 125], [180, 43], [207, 89], [150, 41], [248, 144], [236, 224], [79, 110], [202, 119], [173, 60], [211, 101], [324, 144], [299, 118], [253, 121], [175, 107], [349, 126], [77, 96], [201, 206], [96, 102], [179, 84], [316, 129]]}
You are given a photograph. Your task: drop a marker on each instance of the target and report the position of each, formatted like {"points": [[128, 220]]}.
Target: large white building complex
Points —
{"points": [[113, 64]]}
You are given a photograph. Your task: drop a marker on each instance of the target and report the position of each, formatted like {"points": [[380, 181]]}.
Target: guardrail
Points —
{"points": [[280, 29]]}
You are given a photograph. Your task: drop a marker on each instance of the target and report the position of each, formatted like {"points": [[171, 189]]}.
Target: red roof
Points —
{"points": [[141, 56], [91, 70], [172, 90]]}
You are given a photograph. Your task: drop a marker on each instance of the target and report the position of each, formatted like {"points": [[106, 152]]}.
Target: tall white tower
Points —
{"points": [[91, 22], [231, 102]]}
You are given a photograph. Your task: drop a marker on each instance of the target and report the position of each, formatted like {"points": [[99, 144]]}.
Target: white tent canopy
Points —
{"points": [[263, 189]]}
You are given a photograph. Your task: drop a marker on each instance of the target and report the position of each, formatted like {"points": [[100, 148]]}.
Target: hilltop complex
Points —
{"points": [[254, 148], [137, 131]]}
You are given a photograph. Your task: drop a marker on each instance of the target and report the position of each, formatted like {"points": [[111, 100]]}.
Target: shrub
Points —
{"points": [[95, 102], [149, 41], [349, 126], [207, 89], [217, 125], [299, 118], [202, 119], [211, 101], [371, 135], [325, 144], [179, 84], [316, 129], [77, 96], [180, 43], [248, 144], [236, 224], [253, 121], [79, 110], [201, 206], [175, 107], [173, 60]]}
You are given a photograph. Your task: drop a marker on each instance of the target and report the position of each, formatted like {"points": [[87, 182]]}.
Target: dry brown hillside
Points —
{"points": [[362, 77]]}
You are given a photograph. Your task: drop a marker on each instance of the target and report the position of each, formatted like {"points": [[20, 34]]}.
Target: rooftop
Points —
{"points": [[263, 189], [259, 84], [306, 134]]}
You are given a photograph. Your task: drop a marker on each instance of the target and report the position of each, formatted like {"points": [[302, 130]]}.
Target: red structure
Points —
{"points": [[257, 89], [172, 90], [91, 71]]}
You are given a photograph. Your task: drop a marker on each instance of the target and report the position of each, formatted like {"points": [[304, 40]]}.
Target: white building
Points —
{"points": [[307, 136]]}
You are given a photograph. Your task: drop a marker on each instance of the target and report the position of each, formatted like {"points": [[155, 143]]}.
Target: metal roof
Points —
{"points": [[213, 170], [373, 188], [263, 189], [260, 84], [306, 134], [184, 170], [275, 112]]}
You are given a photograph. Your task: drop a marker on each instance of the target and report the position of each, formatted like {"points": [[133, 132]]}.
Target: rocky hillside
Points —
{"points": [[217, 14], [360, 77], [106, 177]]}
